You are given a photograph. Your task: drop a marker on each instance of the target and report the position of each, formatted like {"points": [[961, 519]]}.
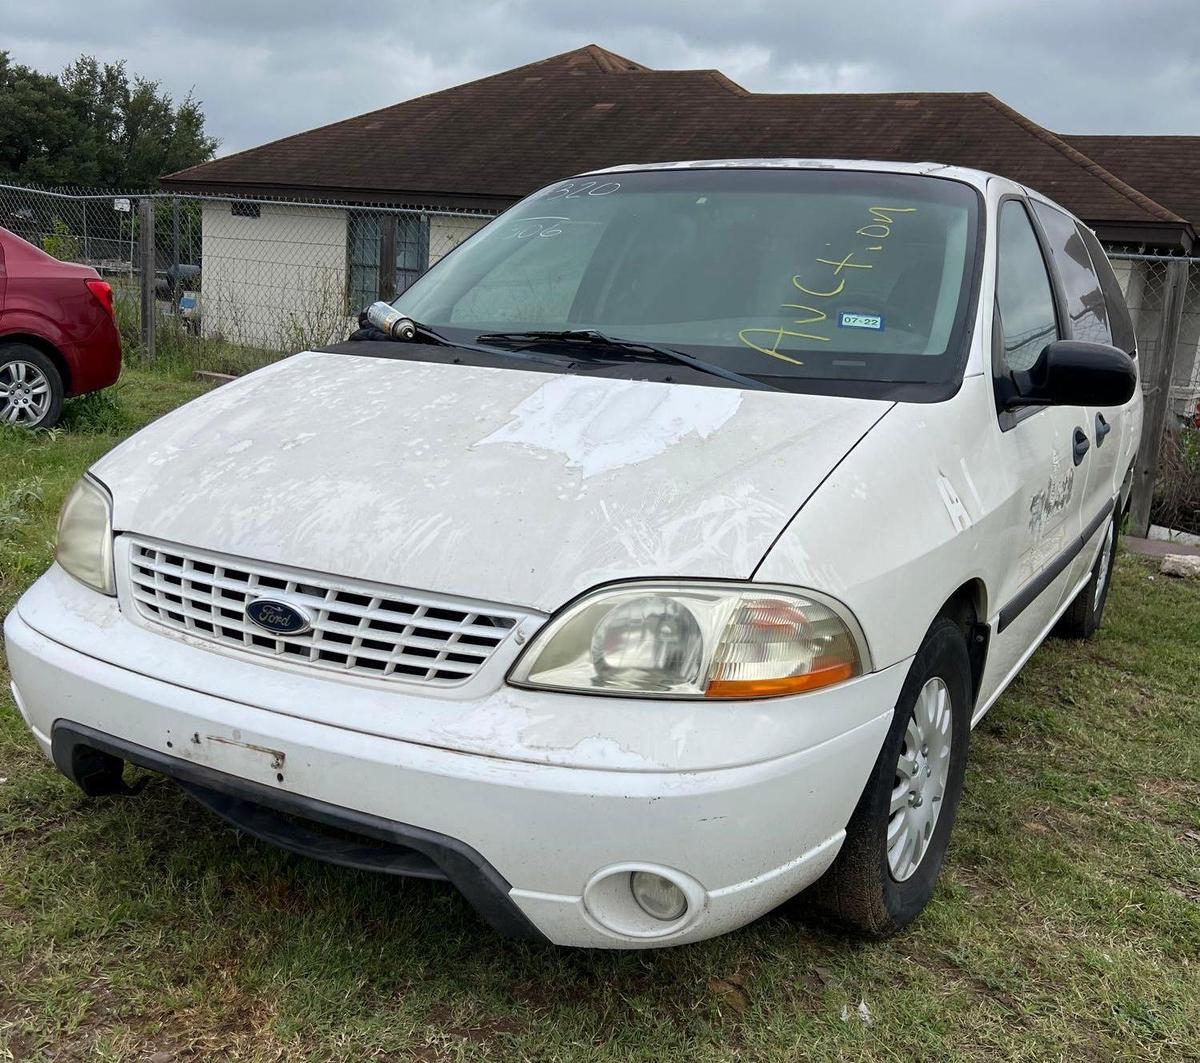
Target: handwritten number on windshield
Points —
{"points": [[574, 189], [545, 225]]}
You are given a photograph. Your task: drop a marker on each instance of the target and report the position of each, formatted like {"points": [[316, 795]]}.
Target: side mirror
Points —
{"points": [[1075, 373]]}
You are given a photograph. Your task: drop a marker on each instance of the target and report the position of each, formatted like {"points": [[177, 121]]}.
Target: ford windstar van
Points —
{"points": [[648, 561]]}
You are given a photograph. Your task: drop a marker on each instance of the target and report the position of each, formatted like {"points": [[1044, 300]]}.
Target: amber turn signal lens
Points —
{"points": [[695, 639], [773, 688]]}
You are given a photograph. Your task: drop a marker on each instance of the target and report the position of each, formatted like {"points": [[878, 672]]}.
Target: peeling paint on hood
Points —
{"points": [[602, 425], [517, 487]]}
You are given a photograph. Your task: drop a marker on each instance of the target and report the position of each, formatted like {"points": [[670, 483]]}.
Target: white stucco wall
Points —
{"points": [[279, 280], [445, 234], [276, 281]]}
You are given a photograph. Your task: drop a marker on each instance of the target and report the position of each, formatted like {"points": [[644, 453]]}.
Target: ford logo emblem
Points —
{"points": [[279, 618]]}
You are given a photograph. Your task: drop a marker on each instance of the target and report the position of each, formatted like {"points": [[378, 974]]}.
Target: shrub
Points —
{"points": [[99, 412], [1177, 489], [61, 242]]}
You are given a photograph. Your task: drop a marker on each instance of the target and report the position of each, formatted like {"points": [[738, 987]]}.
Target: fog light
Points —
{"points": [[657, 896]]}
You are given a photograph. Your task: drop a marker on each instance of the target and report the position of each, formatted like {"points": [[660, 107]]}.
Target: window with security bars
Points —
{"points": [[385, 253]]}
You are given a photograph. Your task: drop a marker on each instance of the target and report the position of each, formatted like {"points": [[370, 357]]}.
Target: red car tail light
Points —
{"points": [[103, 292]]}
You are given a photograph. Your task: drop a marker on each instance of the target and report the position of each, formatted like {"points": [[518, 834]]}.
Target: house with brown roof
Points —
{"points": [[1167, 169], [482, 146]]}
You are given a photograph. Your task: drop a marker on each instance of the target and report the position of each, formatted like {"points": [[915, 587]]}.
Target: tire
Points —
{"points": [[868, 888], [31, 388], [1085, 614]]}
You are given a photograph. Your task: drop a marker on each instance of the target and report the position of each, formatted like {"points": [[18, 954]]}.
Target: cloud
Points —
{"points": [[268, 69]]}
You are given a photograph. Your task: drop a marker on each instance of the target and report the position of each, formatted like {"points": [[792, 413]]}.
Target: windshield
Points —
{"points": [[786, 275]]}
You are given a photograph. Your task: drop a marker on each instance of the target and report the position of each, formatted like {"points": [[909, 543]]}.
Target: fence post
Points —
{"points": [[175, 234], [146, 259], [387, 257], [1158, 397]]}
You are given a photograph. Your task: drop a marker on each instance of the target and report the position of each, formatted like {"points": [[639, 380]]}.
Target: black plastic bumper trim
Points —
{"points": [[399, 849]]}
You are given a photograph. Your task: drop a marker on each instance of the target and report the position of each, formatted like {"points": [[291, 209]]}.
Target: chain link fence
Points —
{"points": [[1163, 295], [236, 280], [1144, 280]]}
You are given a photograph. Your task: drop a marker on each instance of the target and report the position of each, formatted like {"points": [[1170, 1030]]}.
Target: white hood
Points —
{"points": [[521, 488]]}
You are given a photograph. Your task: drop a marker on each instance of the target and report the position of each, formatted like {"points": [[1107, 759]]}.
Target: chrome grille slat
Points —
{"points": [[316, 602], [192, 614], [356, 630]]}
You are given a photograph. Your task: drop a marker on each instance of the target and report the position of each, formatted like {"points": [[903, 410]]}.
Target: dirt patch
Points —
{"points": [[730, 993], [17, 1045], [1187, 790], [487, 1029], [975, 983]]}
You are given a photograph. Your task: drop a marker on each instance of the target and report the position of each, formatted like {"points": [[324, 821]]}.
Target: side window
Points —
{"points": [[1119, 321], [1085, 301], [1024, 298]]}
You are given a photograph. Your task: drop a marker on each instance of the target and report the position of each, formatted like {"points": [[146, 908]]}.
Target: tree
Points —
{"points": [[93, 126]]}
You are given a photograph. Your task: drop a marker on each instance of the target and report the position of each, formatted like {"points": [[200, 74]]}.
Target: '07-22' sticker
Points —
{"points": [[849, 319]]}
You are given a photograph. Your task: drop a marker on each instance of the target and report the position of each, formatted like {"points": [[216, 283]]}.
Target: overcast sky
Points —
{"points": [[264, 68]]}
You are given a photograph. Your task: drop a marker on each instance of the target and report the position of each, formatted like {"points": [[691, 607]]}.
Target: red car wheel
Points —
{"points": [[31, 390]]}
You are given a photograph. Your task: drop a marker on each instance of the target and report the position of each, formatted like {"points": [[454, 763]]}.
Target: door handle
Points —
{"points": [[1080, 446], [1102, 429]]}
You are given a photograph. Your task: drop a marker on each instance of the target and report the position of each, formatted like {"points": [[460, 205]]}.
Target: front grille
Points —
{"points": [[355, 630]]}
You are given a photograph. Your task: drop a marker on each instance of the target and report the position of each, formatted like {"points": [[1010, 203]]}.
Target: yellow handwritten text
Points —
{"points": [[879, 228], [779, 334], [820, 295]]}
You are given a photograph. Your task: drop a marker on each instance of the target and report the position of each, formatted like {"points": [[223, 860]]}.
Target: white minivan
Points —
{"points": [[648, 561]]}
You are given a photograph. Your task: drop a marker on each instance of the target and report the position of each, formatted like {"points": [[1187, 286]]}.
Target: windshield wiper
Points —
{"points": [[601, 339], [383, 321]]}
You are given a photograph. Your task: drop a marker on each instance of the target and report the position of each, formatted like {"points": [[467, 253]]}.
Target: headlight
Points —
{"points": [[694, 640], [85, 536]]}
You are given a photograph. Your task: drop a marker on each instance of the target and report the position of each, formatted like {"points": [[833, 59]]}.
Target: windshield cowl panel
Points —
{"points": [[834, 282]]}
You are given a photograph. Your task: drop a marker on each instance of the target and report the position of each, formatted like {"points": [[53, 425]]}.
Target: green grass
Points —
{"points": [[1067, 924]]}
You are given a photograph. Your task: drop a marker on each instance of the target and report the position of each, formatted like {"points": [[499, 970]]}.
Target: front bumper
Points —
{"points": [[548, 841]]}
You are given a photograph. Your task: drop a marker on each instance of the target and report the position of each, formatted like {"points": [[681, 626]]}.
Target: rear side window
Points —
{"points": [[1119, 321], [1086, 308], [1024, 297]]}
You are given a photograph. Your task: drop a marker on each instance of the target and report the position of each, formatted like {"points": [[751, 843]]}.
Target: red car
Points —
{"points": [[58, 333]]}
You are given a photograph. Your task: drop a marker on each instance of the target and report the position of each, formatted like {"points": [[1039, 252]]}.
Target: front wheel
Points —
{"points": [[896, 839]]}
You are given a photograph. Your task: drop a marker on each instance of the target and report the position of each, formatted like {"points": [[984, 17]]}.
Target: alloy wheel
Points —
{"points": [[25, 394], [922, 771]]}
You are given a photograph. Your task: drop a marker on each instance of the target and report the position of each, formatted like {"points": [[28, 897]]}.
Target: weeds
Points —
{"points": [[99, 411], [1177, 489], [17, 500]]}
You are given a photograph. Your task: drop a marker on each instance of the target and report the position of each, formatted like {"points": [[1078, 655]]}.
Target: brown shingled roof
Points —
{"points": [[1165, 168], [499, 138]]}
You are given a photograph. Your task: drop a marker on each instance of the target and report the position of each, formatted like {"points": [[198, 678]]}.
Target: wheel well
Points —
{"points": [[47, 348], [967, 607]]}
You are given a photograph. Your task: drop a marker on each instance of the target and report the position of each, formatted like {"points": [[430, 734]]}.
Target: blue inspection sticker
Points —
{"points": [[853, 319]]}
